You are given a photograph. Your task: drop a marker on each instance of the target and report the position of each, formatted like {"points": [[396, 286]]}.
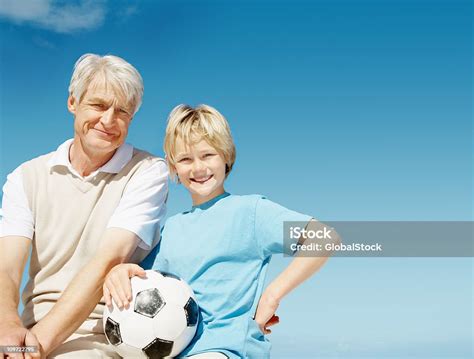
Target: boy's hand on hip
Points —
{"points": [[265, 315]]}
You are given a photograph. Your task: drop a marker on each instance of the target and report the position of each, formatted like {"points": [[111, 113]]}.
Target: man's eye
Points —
{"points": [[99, 106], [123, 111]]}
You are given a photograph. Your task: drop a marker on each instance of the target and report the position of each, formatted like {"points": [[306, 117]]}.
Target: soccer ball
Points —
{"points": [[160, 322]]}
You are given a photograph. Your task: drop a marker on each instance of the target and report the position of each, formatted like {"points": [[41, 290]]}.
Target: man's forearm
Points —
{"points": [[9, 300], [85, 290], [13, 255], [72, 309]]}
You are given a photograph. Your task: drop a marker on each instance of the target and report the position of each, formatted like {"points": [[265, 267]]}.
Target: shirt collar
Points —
{"points": [[211, 202], [118, 161]]}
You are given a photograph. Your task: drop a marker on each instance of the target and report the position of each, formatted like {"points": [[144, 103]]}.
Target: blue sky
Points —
{"points": [[346, 110]]}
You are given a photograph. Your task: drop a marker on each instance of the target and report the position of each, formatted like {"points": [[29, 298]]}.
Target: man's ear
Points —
{"points": [[71, 104]]}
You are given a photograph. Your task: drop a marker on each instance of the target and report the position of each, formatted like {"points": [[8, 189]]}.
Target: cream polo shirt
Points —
{"points": [[141, 209]]}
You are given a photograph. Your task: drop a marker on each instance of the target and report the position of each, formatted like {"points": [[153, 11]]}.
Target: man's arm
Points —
{"points": [[85, 290], [137, 218], [13, 255]]}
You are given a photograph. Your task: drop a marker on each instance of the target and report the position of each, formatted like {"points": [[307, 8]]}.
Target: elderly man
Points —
{"points": [[91, 204]]}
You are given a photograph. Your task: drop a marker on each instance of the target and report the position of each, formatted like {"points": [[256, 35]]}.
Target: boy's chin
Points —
{"points": [[204, 194]]}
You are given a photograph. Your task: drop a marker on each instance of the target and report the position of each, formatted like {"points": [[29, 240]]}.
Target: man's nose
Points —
{"points": [[108, 117]]}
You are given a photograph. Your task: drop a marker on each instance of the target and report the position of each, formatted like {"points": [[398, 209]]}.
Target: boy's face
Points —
{"points": [[201, 169]]}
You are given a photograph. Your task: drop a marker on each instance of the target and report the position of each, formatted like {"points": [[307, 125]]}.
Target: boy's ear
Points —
{"points": [[172, 170]]}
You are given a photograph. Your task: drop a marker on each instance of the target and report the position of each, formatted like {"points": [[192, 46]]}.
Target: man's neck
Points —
{"points": [[85, 162]]}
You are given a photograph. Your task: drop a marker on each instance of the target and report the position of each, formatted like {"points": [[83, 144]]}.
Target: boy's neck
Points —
{"points": [[199, 200]]}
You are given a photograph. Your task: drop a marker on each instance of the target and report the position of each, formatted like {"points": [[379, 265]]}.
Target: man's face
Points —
{"points": [[101, 119]]}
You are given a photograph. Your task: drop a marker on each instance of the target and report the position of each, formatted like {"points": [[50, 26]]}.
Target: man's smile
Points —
{"points": [[104, 133]]}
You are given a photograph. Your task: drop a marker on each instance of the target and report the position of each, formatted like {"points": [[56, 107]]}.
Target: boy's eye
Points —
{"points": [[184, 159], [209, 155]]}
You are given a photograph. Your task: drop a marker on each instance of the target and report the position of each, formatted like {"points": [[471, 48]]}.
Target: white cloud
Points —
{"points": [[59, 16]]}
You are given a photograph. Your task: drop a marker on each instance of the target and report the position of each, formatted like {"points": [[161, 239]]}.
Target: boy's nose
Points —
{"points": [[198, 166]]}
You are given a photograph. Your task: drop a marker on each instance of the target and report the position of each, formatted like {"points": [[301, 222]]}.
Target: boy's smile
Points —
{"points": [[201, 169], [201, 180]]}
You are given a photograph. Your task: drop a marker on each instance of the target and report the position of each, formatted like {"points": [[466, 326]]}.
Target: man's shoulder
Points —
{"points": [[37, 162], [145, 155], [143, 160]]}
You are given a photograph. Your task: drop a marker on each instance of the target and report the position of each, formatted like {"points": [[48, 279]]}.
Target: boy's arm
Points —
{"points": [[300, 269], [85, 290], [117, 284]]}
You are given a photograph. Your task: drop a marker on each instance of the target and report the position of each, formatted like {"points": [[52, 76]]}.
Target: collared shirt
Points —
{"points": [[141, 208]]}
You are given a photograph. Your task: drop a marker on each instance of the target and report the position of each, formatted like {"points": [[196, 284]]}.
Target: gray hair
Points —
{"points": [[117, 72]]}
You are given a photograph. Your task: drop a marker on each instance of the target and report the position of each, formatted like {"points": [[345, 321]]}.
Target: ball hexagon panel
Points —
{"points": [[170, 289], [170, 323], [170, 275], [158, 348], [127, 351], [112, 331], [184, 339], [149, 302], [137, 330], [192, 312]]}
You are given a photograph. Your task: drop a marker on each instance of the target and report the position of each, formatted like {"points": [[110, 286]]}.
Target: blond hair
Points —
{"points": [[195, 124], [115, 71]]}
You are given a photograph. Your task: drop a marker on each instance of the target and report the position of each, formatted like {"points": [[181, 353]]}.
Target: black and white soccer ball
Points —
{"points": [[160, 322]]}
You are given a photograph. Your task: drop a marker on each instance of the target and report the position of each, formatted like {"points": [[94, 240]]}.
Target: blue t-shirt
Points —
{"points": [[222, 249]]}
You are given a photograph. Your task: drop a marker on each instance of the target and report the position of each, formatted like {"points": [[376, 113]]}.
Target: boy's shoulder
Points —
{"points": [[245, 198], [233, 202], [243, 201]]}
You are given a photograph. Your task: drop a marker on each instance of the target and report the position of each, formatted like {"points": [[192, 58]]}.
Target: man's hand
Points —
{"points": [[117, 284], [32, 340], [12, 334], [265, 316], [15, 335]]}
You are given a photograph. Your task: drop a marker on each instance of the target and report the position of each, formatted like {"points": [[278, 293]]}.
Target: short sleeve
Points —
{"points": [[142, 207], [269, 223], [17, 218]]}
